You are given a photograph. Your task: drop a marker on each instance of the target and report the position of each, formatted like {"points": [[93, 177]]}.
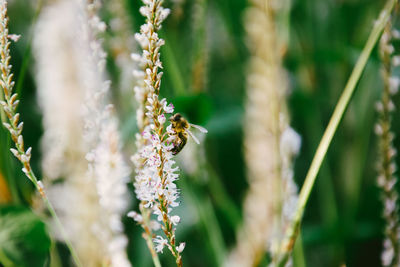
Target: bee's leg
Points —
{"points": [[181, 145], [183, 140], [176, 148]]}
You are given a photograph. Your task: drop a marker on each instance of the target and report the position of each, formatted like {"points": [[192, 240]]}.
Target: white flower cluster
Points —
{"points": [[81, 140], [149, 61], [9, 100], [59, 89], [386, 161], [270, 143], [155, 168], [149, 184], [106, 164], [290, 143]]}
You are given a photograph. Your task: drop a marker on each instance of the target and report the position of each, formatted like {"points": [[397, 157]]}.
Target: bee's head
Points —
{"points": [[176, 118]]}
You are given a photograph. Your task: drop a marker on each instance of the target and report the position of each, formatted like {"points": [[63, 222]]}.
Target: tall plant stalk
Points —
{"points": [[14, 126], [293, 230], [155, 167], [386, 161], [270, 144]]}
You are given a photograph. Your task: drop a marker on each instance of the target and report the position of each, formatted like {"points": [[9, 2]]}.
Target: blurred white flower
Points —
{"points": [[270, 143], [81, 142], [160, 243], [386, 179]]}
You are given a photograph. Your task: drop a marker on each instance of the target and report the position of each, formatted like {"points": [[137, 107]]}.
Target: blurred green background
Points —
{"points": [[342, 223]]}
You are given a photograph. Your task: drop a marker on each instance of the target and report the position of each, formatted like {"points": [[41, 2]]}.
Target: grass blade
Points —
{"points": [[337, 116]]}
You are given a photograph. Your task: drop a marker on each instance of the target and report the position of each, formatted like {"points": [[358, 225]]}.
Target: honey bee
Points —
{"points": [[181, 127]]}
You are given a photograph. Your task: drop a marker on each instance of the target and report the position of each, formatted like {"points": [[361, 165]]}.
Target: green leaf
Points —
{"points": [[24, 240]]}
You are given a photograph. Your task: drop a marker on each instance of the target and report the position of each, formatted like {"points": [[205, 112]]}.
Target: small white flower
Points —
{"points": [[388, 253], [181, 247], [396, 61], [136, 216], [15, 152], [164, 13], [290, 142], [169, 108], [146, 135], [161, 119], [395, 34], [136, 57], [160, 243], [20, 140], [14, 37], [394, 83], [24, 158], [140, 75], [102, 26], [145, 11], [175, 219], [390, 49], [154, 225], [40, 185], [29, 151]]}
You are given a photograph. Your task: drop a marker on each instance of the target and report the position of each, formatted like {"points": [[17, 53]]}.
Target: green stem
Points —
{"points": [[4, 259], [63, 232], [53, 213], [155, 258], [341, 106], [148, 236]]}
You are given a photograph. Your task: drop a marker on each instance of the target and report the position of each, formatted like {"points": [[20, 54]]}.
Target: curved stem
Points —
{"points": [[292, 232], [53, 213]]}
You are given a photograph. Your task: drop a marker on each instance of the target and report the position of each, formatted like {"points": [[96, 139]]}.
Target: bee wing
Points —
{"points": [[194, 137], [201, 129]]}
